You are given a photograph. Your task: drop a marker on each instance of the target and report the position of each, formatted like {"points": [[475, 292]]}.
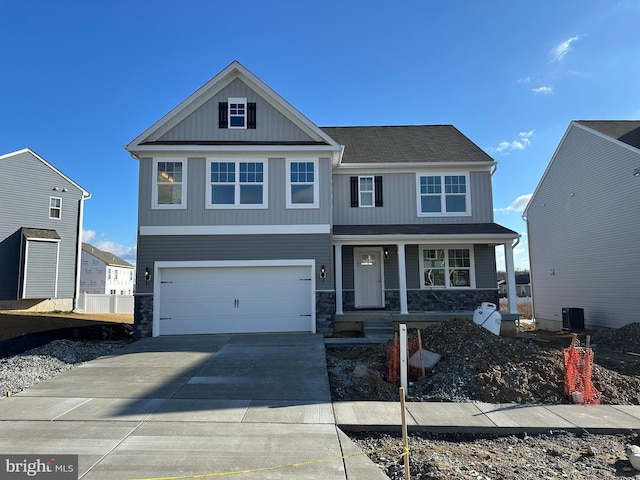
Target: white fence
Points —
{"points": [[97, 303]]}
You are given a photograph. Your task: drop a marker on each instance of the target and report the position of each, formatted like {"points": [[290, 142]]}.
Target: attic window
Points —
{"points": [[237, 113]]}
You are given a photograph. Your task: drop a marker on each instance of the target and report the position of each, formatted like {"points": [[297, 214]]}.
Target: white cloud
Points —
{"points": [[520, 143], [544, 90], [125, 252], [518, 205], [88, 235], [560, 50]]}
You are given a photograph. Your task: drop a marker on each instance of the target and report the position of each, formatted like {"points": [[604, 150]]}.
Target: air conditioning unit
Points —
{"points": [[572, 318]]}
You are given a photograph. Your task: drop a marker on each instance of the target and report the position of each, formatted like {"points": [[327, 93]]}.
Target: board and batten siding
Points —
{"points": [[400, 202], [202, 124], [197, 189], [234, 247], [26, 204], [583, 228]]}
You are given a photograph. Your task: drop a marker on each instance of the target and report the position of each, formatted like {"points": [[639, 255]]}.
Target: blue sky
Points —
{"points": [[80, 79]]}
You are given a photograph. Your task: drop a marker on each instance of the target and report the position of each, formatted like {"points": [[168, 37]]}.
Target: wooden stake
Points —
{"points": [[421, 352], [588, 341], [405, 441]]}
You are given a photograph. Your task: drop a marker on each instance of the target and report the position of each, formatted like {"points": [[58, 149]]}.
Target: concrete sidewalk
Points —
{"points": [[260, 404], [184, 406]]}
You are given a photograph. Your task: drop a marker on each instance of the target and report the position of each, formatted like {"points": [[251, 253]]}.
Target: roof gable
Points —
{"points": [[406, 144], [203, 103], [35, 156]]}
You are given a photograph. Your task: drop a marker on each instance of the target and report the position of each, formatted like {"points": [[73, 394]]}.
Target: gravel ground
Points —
{"points": [[20, 372], [479, 366]]}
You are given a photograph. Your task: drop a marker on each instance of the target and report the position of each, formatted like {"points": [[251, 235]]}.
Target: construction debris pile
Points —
{"points": [[477, 365]]}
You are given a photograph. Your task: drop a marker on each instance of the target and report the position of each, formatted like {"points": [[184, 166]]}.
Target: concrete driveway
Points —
{"points": [[177, 407]]}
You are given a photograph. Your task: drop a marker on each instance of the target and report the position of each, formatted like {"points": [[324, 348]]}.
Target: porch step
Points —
{"points": [[377, 331]]}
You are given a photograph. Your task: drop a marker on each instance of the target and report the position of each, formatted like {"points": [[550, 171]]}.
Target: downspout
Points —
{"points": [[76, 295]]}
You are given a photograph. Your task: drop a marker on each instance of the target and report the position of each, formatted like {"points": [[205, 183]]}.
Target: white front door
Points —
{"points": [[367, 278]]}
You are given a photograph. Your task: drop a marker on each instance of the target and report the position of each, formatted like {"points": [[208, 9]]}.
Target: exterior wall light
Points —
{"points": [[323, 273], [386, 253], [147, 275], [636, 172]]}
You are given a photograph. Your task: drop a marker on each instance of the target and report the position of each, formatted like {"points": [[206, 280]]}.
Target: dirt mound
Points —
{"points": [[624, 339], [475, 366]]}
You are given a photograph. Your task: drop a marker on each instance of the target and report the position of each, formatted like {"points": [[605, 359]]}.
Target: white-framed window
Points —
{"points": [[115, 273], [55, 207], [366, 191], [237, 184], [447, 267], [237, 112], [443, 194], [302, 183], [170, 183], [108, 274]]}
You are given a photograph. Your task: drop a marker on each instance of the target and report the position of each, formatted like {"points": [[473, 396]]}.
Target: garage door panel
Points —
{"points": [[235, 300]]}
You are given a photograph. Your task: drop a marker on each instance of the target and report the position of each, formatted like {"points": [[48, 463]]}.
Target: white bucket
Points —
{"points": [[487, 316]]}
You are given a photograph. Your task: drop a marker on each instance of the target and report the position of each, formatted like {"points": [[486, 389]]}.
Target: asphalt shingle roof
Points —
{"points": [[627, 131], [406, 144], [42, 233], [108, 258]]}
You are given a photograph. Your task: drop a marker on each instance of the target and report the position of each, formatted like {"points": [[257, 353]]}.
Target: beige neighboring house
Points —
{"points": [[105, 273]]}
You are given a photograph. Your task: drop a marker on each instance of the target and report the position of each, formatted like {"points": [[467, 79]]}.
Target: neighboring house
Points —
{"points": [[104, 273], [583, 224], [254, 219], [41, 212], [523, 286]]}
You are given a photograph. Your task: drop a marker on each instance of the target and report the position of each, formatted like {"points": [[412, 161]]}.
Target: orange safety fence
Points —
{"points": [[413, 345], [578, 366]]}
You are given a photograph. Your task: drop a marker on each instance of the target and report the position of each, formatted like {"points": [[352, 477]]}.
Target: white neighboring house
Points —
{"points": [[105, 273]]}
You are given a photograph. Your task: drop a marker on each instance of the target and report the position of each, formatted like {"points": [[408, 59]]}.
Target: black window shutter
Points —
{"points": [[251, 115], [354, 192], [378, 190], [223, 115]]}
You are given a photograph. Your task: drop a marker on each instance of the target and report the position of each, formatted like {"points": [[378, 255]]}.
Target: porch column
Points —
{"points": [[511, 278], [402, 281], [338, 269]]}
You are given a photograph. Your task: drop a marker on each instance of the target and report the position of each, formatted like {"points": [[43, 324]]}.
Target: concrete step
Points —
{"points": [[378, 331]]}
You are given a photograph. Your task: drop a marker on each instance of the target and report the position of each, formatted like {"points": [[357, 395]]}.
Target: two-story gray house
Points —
{"points": [[41, 211], [254, 219]]}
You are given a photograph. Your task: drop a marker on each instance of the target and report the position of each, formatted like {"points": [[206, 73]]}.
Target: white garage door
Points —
{"points": [[201, 300]]}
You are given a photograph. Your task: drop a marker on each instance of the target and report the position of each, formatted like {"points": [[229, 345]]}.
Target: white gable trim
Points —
{"points": [[215, 85]]}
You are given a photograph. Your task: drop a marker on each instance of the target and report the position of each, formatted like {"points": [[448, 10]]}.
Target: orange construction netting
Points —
{"points": [[578, 366]]}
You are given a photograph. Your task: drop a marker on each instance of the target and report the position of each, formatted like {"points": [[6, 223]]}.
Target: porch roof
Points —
{"points": [[485, 232]]}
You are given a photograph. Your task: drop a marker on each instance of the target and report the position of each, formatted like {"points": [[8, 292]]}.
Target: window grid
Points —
{"points": [[236, 183], [169, 183], [436, 200], [302, 184], [55, 207], [446, 268], [366, 191]]}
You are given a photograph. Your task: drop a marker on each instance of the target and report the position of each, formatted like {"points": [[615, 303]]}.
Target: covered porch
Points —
{"points": [[417, 274]]}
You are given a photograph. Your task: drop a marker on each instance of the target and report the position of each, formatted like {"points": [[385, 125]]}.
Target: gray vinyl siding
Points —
{"points": [[485, 266], [26, 204], [197, 189], [400, 202], [40, 270], [233, 247], [583, 228], [202, 124]]}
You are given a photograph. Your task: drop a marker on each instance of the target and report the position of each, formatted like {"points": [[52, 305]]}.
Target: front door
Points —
{"points": [[367, 278]]}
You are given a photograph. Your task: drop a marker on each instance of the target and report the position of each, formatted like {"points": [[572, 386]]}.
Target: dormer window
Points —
{"points": [[237, 113]]}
